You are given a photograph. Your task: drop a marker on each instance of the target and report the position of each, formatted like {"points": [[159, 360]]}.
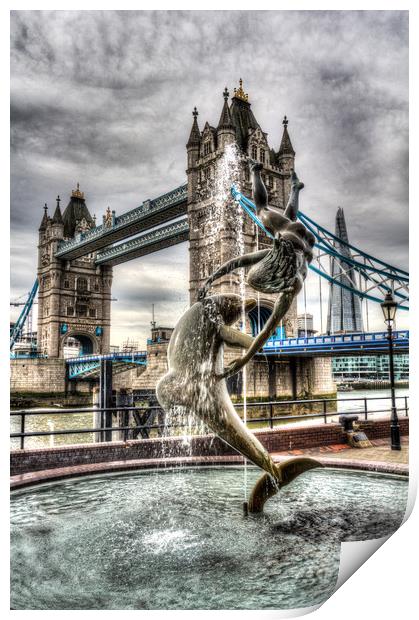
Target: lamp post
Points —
{"points": [[389, 307]]}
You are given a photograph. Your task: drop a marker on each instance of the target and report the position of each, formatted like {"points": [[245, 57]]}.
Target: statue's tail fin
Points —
{"points": [[267, 486]]}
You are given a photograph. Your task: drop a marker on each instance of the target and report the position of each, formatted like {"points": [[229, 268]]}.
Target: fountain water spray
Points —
{"points": [[228, 214]]}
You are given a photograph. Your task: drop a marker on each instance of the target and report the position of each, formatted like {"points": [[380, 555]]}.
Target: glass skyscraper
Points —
{"points": [[344, 314]]}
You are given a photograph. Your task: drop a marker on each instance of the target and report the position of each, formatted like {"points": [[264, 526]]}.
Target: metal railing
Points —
{"points": [[105, 433]]}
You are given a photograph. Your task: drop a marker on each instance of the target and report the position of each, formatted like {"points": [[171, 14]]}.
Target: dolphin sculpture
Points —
{"points": [[195, 380]]}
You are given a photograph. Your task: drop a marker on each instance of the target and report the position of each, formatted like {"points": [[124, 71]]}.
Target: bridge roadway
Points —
{"points": [[88, 366], [149, 214], [144, 244], [339, 345]]}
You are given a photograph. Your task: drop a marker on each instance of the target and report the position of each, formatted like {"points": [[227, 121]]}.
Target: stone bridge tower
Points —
{"points": [[205, 149], [74, 296]]}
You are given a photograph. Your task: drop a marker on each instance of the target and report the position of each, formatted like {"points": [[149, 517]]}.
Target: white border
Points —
{"points": [[385, 586]]}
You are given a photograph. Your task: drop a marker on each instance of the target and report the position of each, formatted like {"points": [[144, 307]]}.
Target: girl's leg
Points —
{"points": [[291, 210], [260, 195]]}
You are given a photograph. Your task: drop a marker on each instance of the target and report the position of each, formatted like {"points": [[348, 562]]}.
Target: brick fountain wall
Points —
{"points": [[277, 440]]}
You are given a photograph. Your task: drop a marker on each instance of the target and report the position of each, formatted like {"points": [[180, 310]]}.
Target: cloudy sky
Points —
{"points": [[105, 99]]}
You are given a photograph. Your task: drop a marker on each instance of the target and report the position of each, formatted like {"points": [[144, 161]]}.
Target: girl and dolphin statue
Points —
{"points": [[195, 380]]}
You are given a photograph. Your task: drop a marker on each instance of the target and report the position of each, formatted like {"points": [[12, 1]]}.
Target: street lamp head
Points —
{"points": [[389, 307]]}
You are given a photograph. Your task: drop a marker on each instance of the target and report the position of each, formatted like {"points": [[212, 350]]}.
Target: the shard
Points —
{"points": [[344, 314]]}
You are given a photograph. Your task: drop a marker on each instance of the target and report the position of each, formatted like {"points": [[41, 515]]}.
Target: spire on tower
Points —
{"points": [[57, 218], [44, 221], [286, 146], [195, 135], [225, 122]]}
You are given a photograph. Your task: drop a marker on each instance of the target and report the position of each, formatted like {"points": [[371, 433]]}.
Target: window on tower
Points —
{"points": [[254, 152], [262, 156], [207, 147], [81, 284], [81, 310], [70, 311], [92, 313]]}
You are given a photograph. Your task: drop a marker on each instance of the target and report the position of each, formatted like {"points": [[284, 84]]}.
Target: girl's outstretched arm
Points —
{"points": [[281, 307]]}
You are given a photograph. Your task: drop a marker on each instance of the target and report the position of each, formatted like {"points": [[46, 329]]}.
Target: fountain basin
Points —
{"points": [[177, 539]]}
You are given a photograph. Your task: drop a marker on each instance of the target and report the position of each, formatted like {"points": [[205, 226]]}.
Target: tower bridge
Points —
{"points": [[75, 260]]}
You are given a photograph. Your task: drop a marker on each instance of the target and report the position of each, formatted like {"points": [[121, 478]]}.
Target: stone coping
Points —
{"points": [[51, 475]]}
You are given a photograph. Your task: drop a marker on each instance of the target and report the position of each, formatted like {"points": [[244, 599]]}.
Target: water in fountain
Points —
{"points": [[222, 213], [178, 540], [228, 214]]}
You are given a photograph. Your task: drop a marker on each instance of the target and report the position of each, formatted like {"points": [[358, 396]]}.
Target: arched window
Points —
{"points": [[254, 152], [207, 147], [81, 284], [262, 156]]}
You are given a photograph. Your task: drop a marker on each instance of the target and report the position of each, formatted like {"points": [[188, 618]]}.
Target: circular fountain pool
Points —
{"points": [[177, 539]]}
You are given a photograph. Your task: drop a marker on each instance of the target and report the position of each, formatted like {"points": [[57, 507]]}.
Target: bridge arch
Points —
{"points": [[258, 317], [88, 344]]}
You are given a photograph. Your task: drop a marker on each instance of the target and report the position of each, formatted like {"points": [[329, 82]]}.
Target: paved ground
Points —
{"points": [[380, 452]]}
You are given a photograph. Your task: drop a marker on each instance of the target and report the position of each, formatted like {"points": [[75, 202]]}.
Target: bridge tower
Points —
{"points": [[74, 296], [238, 126], [205, 149]]}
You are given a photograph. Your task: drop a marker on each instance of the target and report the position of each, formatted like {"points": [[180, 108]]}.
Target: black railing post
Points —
{"points": [[271, 415], [325, 411], [405, 406], [105, 398], [22, 430], [394, 427], [365, 409], [126, 424]]}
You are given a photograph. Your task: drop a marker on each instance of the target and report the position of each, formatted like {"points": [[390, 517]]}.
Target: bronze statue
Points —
{"points": [[195, 380]]}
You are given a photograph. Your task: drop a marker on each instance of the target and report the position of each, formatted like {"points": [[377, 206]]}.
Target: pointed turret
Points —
{"points": [[226, 132], [44, 221], [194, 142], [225, 122], [195, 135], [57, 217], [286, 146], [286, 152]]}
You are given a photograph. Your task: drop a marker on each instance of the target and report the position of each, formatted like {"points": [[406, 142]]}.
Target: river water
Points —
{"points": [[378, 402]]}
